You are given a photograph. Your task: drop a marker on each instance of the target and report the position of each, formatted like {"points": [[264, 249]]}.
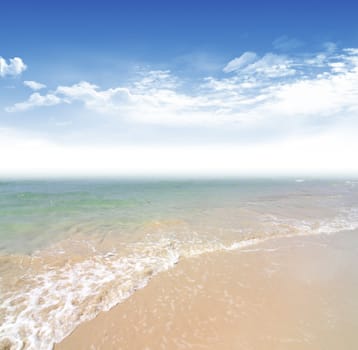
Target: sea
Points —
{"points": [[70, 249]]}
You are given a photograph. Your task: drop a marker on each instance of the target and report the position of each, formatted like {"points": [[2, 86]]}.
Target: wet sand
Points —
{"points": [[287, 293]]}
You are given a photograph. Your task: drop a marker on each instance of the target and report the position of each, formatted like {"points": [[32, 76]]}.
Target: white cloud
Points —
{"points": [[269, 90], [15, 66], [34, 85], [351, 51], [314, 110], [157, 79], [271, 66], [103, 101], [35, 100], [321, 59]]}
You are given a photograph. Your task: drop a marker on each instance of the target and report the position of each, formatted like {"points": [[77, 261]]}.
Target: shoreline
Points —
{"points": [[254, 297]]}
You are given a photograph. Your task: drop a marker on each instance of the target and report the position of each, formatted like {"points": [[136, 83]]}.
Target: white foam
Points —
{"points": [[56, 301], [346, 220]]}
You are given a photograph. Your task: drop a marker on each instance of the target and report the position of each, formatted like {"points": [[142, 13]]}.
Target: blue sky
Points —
{"points": [[178, 88]]}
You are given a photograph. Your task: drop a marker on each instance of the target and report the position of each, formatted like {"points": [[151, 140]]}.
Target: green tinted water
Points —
{"points": [[34, 214]]}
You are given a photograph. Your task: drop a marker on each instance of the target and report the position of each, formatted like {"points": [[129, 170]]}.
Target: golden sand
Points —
{"points": [[291, 293]]}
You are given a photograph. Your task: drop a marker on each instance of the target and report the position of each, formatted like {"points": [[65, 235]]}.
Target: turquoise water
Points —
{"points": [[72, 248], [34, 214]]}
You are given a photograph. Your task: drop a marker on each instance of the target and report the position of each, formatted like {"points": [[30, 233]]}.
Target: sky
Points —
{"points": [[178, 88]]}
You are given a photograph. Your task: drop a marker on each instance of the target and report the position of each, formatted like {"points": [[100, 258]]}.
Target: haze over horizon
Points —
{"points": [[178, 89]]}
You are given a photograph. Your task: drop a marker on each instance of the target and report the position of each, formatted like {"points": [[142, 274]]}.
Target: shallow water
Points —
{"points": [[70, 249]]}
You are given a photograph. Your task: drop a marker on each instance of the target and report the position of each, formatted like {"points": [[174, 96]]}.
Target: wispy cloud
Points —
{"points": [[254, 90], [270, 65], [34, 85], [14, 67], [285, 43], [157, 79], [240, 62]]}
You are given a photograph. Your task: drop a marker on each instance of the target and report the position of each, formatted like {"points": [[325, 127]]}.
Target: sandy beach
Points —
{"points": [[251, 264], [285, 293]]}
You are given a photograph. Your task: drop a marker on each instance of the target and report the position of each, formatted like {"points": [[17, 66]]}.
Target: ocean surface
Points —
{"points": [[70, 249]]}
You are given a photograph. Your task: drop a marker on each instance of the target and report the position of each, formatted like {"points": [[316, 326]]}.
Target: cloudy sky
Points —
{"points": [[176, 88]]}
